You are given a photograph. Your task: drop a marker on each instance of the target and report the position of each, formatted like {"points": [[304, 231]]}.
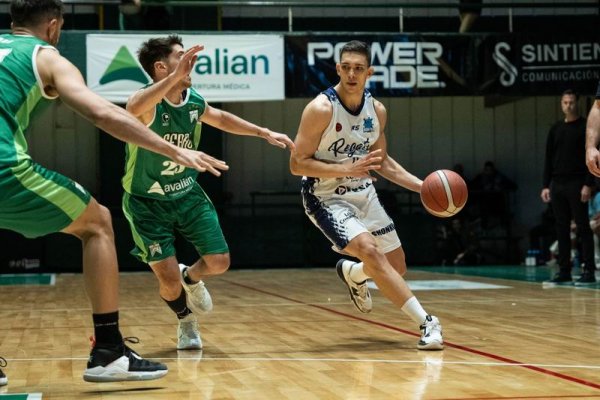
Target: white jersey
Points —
{"points": [[348, 137], [343, 208]]}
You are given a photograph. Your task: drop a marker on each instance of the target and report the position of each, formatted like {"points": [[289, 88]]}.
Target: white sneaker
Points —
{"points": [[188, 336], [198, 298], [431, 334], [3, 378], [359, 292]]}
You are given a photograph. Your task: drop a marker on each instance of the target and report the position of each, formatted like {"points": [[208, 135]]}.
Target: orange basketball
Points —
{"points": [[444, 193]]}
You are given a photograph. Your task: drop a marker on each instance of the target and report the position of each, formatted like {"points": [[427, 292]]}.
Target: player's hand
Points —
{"points": [[362, 167], [592, 159], [278, 139], [545, 195], [200, 161], [187, 61]]}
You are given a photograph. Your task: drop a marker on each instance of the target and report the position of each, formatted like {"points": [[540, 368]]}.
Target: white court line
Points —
{"points": [[382, 301], [337, 360]]}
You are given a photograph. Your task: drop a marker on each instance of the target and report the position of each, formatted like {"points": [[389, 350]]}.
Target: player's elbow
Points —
{"points": [[295, 168]]}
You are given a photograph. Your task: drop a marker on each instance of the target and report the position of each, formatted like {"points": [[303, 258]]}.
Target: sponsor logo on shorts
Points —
{"points": [[341, 190], [347, 215], [383, 231], [154, 248]]}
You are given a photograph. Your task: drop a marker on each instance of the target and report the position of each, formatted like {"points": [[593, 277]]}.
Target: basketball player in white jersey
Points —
{"points": [[340, 141]]}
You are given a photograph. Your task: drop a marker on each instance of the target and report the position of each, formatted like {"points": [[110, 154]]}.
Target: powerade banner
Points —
{"points": [[451, 65], [230, 68]]}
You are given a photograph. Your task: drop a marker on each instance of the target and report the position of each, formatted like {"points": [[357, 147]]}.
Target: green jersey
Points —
{"points": [[21, 93], [152, 175]]}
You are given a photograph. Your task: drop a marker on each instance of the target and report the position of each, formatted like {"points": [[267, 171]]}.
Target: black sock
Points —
{"points": [[106, 329], [179, 305], [187, 278]]}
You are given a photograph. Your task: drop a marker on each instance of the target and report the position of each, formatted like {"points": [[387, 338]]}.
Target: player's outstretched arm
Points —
{"points": [[315, 118], [141, 103], [592, 154], [61, 77], [231, 123]]}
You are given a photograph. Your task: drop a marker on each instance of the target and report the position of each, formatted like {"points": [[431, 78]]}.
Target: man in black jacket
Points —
{"points": [[568, 186]]}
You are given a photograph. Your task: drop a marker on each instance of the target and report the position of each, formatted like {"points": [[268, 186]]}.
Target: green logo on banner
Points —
{"points": [[123, 67]]}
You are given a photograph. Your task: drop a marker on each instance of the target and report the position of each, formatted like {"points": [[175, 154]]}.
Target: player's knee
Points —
{"points": [[369, 252], [97, 222], [218, 263]]}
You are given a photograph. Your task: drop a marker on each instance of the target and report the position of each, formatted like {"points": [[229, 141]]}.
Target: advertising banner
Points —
{"points": [[523, 65], [450, 64], [230, 68]]}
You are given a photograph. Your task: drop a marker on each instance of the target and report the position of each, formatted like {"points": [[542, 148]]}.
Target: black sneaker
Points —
{"points": [[3, 378], [120, 364], [561, 278], [587, 278]]}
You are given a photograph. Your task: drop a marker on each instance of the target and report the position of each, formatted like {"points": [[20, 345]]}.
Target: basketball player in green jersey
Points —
{"points": [[35, 201], [162, 196]]}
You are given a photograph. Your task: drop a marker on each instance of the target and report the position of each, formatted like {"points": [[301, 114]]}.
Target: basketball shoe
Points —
{"points": [[120, 363], [359, 292], [431, 334], [561, 278], [198, 298], [3, 378], [188, 336], [588, 277]]}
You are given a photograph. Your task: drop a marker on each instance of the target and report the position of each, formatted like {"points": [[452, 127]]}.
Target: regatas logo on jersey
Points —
{"points": [[340, 147], [397, 65]]}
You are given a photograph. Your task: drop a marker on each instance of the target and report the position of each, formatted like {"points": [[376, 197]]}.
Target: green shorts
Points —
{"points": [[154, 223], [35, 201]]}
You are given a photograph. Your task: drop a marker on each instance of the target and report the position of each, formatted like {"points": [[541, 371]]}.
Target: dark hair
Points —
{"points": [[34, 12], [570, 92], [356, 46], [157, 49]]}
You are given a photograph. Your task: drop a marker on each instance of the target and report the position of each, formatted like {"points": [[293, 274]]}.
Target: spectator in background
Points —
{"points": [[469, 11], [542, 236], [488, 192], [568, 186], [594, 215]]}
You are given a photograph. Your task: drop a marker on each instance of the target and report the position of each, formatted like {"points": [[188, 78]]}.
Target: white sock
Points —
{"points": [[357, 274], [413, 309]]}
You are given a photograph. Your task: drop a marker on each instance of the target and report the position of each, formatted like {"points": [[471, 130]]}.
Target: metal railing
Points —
{"points": [[399, 6]]}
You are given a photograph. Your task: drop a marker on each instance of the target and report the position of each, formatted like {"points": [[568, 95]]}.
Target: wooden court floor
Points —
{"points": [[293, 334]]}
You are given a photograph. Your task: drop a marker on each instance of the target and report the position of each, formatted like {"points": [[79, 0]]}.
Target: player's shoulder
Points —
{"points": [[320, 105], [379, 108]]}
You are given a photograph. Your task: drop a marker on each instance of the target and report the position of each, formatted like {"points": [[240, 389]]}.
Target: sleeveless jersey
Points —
{"points": [[348, 137], [152, 175], [21, 95]]}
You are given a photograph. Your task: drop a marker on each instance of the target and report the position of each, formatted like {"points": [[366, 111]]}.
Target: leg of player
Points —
{"points": [[172, 292], [191, 278], [394, 287], [110, 359]]}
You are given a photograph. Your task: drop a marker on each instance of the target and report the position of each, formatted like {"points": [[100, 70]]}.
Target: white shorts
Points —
{"points": [[343, 217]]}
